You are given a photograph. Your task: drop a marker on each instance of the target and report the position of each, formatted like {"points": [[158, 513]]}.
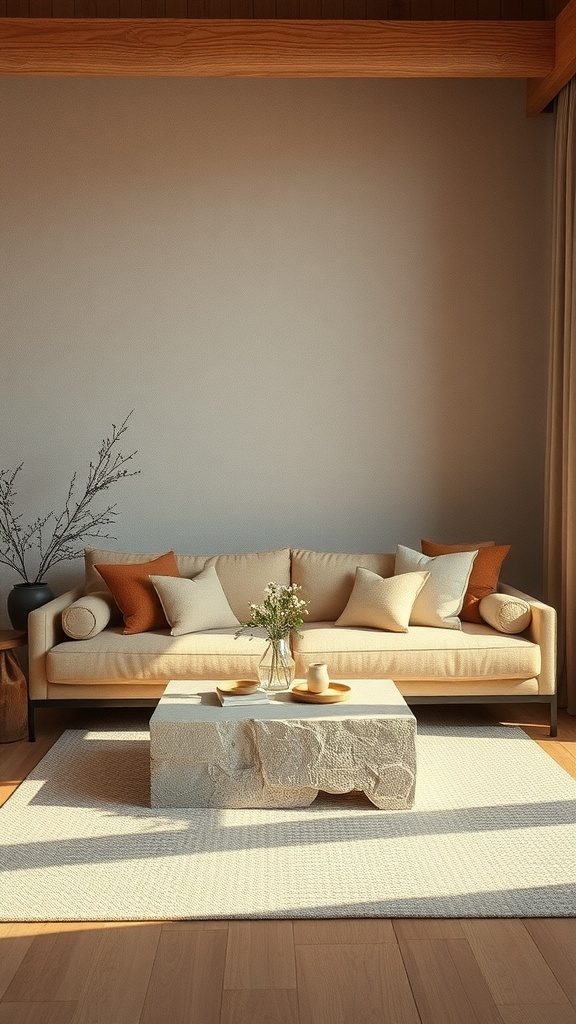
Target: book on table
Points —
{"points": [[258, 697]]}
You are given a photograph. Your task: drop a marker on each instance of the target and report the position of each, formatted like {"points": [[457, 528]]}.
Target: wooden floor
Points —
{"points": [[400, 971]]}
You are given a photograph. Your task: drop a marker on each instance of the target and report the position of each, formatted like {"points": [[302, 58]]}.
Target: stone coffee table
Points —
{"points": [[279, 754]]}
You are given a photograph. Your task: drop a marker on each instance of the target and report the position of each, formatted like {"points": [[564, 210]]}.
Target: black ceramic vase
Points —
{"points": [[24, 598]]}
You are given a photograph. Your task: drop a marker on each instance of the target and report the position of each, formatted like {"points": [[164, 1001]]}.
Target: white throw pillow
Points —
{"points": [[505, 613], [193, 605], [442, 596], [382, 602]]}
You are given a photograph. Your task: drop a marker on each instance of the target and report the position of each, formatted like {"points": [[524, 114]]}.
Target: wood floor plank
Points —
{"points": [[397, 996], [533, 718], [260, 954], [514, 968], [55, 966], [15, 941], [202, 926], [447, 984], [346, 931], [37, 1013], [277, 1006], [568, 726], [569, 744], [186, 980], [559, 753], [556, 940], [30, 928], [473, 981], [547, 1014], [118, 977], [427, 928], [18, 759], [359, 983]]}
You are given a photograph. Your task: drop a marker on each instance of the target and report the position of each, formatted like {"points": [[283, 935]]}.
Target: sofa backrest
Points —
{"points": [[327, 578], [243, 576]]}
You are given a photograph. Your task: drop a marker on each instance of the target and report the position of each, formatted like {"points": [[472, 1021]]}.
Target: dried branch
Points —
{"points": [[77, 521]]}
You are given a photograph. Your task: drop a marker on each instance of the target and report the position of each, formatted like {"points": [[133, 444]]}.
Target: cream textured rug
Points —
{"points": [[493, 833]]}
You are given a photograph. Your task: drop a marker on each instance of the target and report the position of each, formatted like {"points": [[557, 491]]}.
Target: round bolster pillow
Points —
{"points": [[89, 615], [505, 613]]}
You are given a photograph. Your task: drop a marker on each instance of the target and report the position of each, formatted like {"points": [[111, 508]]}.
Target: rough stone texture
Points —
{"points": [[282, 753]]}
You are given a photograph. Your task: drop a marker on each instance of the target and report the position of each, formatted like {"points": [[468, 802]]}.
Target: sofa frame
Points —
{"points": [[45, 632]]}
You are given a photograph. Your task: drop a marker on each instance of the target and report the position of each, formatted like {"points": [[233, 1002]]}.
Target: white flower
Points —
{"points": [[280, 612]]}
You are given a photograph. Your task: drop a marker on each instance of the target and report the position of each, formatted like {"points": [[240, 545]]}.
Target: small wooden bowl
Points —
{"points": [[239, 686]]}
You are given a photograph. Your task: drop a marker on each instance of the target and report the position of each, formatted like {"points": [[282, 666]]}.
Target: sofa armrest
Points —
{"points": [[541, 631], [44, 632]]}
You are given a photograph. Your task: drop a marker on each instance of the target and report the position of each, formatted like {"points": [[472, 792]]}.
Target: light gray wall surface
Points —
{"points": [[326, 302]]}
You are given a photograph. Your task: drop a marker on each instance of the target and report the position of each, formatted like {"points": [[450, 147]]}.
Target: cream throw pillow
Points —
{"points": [[382, 602], [89, 615], [442, 596], [505, 613], [193, 605]]}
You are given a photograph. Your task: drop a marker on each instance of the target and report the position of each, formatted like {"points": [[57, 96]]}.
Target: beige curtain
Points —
{"points": [[560, 494]]}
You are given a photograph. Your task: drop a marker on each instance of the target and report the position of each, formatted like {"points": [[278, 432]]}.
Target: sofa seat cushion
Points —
{"points": [[424, 652], [112, 655]]}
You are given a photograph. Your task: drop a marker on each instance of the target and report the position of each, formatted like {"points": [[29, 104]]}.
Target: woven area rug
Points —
{"points": [[493, 834]]}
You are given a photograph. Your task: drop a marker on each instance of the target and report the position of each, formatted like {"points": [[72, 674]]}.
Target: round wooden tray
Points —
{"points": [[239, 687], [335, 692]]}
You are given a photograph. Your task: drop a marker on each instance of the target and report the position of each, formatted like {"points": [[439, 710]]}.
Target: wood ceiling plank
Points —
{"points": [[489, 9], [466, 10], [17, 8], [133, 8], [62, 8], [354, 9], [421, 10], [40, 8], [541, 93], [279, 48], [377, 9]]}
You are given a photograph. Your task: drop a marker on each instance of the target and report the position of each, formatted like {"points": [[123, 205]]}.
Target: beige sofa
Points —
{"points": [[476, 663]]}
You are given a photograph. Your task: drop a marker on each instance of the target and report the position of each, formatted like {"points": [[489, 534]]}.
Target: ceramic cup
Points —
{"points": [[317, 676]]}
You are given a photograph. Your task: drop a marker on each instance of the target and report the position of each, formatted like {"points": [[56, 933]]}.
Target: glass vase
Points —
{"points": [[277, 666]]}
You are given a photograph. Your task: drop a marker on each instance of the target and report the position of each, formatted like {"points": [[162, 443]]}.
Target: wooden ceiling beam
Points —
{"points": [[276, 48], [542, 91]]}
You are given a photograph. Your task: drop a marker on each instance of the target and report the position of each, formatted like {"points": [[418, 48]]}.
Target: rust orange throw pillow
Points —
{"points": [[483, 578], [134, 593]]}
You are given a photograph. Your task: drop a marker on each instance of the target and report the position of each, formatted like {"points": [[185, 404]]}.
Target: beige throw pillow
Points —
{"points": [[89, 615], [442, 596], [382, 603], [193, 605], [505, 613]]}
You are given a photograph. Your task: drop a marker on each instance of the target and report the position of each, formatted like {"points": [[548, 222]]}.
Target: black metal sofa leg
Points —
{"points": [[554, 716]]}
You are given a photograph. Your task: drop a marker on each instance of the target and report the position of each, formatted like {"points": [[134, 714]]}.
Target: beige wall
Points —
{"points": [[326, 302]]}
